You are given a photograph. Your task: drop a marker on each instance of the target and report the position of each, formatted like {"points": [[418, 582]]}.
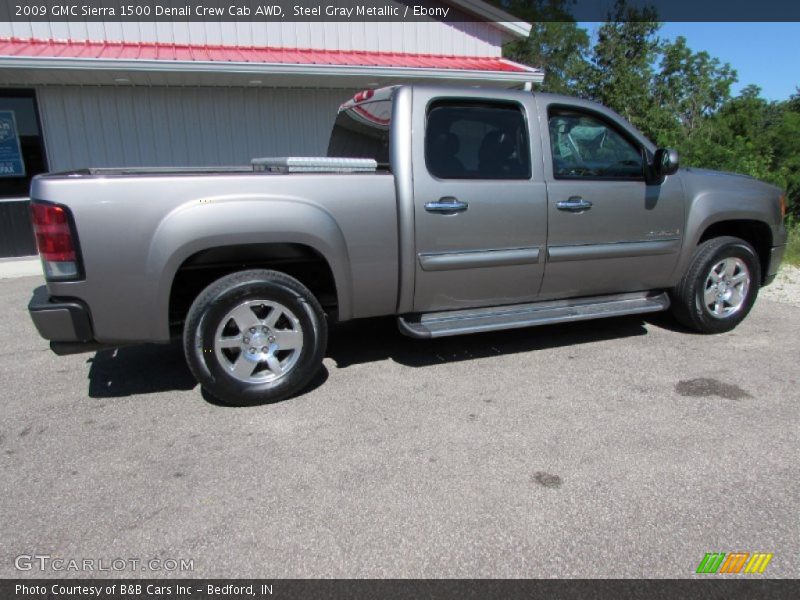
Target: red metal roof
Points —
{"points": [[36, 48]]}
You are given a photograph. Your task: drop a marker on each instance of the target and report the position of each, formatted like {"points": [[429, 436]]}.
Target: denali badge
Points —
{"points": [[663, 233]]}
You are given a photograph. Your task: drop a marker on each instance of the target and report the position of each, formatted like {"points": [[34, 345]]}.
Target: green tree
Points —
{"points": [[620, 70], [556, 44], [687, 88], [794, 100], [783, 136], [736, 137]]}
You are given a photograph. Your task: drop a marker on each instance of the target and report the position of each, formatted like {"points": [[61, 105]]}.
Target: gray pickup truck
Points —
{"points": [[458, 210]]}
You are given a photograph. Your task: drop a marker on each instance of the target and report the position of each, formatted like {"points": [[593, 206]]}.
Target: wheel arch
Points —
{"points": [[236, 234], [301, 261], [753, 231], [737, 213]]}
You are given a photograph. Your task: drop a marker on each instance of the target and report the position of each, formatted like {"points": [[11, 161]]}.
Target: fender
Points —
{"points": [[716, 206], [229, 220]]}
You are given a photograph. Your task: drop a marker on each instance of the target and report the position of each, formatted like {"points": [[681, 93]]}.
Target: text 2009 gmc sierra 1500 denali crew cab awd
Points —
{"points": [[458, 210]]}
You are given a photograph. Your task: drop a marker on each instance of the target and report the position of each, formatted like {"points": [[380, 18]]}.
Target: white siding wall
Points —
{"points": [[465, 39], [161, 126]]}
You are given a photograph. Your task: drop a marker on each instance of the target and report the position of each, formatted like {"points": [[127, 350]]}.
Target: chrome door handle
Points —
{"points": [[446, 205], [574, 204]]}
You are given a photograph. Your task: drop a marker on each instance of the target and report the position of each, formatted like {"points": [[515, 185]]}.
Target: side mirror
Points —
{"points": [[665, 162]]}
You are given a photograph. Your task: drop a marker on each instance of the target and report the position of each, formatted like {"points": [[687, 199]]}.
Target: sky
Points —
{"points": [[765, 54]]}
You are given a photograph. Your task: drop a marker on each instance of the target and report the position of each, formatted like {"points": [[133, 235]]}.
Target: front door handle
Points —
{"points": [[447, 205], [574, 204]]}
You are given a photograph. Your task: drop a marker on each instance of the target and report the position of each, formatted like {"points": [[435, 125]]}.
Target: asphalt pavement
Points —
{"points": [[615, 448]]}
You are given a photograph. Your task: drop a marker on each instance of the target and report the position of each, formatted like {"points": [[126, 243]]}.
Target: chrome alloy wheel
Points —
{"points": [[727, 285], [259, 341]]}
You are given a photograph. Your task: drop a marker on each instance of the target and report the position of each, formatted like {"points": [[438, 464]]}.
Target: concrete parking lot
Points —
{"points": [[617, 448]]}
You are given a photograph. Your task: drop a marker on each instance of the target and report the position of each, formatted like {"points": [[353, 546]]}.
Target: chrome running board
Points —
{"points": [[493, 318]]}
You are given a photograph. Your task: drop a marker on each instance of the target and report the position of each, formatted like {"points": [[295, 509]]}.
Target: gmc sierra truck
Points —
{"points": [[458, 210]]}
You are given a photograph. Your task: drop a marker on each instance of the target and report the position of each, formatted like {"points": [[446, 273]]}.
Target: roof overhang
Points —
{"points": [[49, 62], [498, 17], [39, 71]]}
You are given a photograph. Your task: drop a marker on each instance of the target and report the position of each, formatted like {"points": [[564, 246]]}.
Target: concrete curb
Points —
{"points": [[24, 266]]}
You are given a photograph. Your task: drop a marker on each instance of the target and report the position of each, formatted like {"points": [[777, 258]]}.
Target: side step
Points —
{"points": [[493, 318]]}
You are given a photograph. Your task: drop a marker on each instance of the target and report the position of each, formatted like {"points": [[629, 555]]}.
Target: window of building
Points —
{"points": [[468, 140], [21, 157], [21, 146], [584, 146]]}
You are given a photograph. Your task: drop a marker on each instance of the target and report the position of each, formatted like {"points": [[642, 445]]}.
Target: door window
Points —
{"points": [[468, 140], [584, 146]]}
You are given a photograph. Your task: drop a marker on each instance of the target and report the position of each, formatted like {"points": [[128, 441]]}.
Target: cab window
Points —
{"points": [[469, 140], [363, 131], [584, 146]]}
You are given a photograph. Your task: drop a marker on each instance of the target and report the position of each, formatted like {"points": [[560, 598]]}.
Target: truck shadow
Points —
{"points": [[373, 340], [148, 369], [153, 368], [141, 369]]}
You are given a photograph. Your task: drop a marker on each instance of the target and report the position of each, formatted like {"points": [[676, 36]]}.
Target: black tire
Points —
{"points": [[688, 304], [226, 294]]}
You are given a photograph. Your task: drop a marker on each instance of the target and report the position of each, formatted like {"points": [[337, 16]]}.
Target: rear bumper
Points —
{"points": [[62, 320], [775, 258], [66, 322]]}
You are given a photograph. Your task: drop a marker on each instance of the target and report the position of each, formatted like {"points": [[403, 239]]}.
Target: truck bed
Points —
{"points": [[137, 227]]}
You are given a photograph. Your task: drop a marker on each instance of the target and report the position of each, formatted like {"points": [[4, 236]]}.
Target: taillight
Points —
{"points": [[55, 240], [783, 205]]}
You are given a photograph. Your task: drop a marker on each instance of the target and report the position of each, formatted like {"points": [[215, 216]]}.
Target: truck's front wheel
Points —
{"points": [[719, 287], [254, 337]]}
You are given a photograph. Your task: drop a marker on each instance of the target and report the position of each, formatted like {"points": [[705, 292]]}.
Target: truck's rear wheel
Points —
{"points": [[719, 287], [254, 337]]}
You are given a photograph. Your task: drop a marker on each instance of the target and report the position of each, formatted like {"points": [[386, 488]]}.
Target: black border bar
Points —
{"points": [[396, 10], [397, 589]]}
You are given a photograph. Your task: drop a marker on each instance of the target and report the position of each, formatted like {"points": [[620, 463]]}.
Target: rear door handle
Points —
{"points": [[574, 204], [446, 205]]}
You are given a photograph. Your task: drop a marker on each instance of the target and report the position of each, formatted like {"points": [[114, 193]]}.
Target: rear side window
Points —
{"points": [[468, 140], [362, 131]]}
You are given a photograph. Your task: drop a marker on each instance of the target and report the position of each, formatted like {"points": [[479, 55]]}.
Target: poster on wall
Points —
{"points": [[11, 163]]}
